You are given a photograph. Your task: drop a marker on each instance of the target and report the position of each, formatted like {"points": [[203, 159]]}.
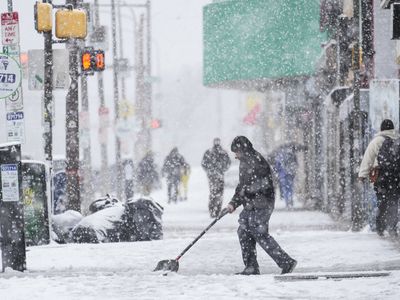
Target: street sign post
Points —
{"points": [[10, 75], [10, 28], [15, 127]]}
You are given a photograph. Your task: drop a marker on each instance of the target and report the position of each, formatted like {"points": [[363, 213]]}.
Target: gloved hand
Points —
{"points": [[228, 209]]}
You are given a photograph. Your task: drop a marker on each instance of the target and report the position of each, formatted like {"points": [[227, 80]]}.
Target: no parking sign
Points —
{"points": [[10, 75]]}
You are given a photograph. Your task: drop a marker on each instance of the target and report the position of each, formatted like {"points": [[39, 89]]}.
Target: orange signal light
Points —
{"points": [[86, 61], [100, 65]]}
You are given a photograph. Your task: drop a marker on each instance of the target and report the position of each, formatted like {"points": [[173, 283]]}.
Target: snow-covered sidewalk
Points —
{"points": [[124, 270]]}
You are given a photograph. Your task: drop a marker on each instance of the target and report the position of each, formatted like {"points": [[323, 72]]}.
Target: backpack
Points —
{"points": [[389, 163]]}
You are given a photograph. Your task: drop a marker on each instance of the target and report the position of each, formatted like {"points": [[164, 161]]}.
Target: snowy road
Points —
{"points": [[124, 270]]}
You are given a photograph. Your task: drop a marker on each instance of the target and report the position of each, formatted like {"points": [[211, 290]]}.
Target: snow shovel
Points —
{"points": [[173, 264]]}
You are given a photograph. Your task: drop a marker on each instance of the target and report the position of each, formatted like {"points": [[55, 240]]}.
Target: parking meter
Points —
{"points": [[13, 251]]}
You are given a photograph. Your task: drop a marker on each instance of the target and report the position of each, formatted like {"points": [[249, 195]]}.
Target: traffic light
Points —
{"points": [[43, 17], [155, 123], [99, 60], [71, 23], [92, 60], [86, 61]]}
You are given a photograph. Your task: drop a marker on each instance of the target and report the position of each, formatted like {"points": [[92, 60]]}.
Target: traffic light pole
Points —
{"points": [[104, 174], [72, 126], [118, 163], [72, 130], [48, 96]]}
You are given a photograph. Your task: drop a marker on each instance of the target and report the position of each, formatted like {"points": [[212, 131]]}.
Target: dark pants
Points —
{"points": [[254, 229], [388, 207], [216, 183], [172, 190]]}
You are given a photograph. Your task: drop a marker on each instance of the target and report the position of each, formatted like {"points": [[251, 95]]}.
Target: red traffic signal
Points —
{"points": [[92, 60], [155, 123], [99, 60]]}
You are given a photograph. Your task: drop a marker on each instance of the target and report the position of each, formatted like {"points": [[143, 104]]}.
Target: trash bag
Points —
{"points": [[114, 221], [102, 203], [142, 221], [62, 225]]}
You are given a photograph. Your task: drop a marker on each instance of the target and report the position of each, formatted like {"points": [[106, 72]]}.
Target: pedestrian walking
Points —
{"points": [[381, 164], [286, 166], [215, 163], [147, 177], [255, 192], [172, 169]]}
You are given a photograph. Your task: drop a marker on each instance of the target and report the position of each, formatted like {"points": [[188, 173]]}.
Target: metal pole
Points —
{"points": [[86, 165], [72, 126], [118, 165], [140, 111], [121, 49], [10, 5], [104, 175], [357, 209], [148, 82]]}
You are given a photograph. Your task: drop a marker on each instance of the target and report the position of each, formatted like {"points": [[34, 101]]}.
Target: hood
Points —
{"points": [[391, 133]]}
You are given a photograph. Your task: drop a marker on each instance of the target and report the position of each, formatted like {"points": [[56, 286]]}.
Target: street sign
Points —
{"points": [[15, 127], [61, 77], [14, 101], [10, 75], [10, 28]]}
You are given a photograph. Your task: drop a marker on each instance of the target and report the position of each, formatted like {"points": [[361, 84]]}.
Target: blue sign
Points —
{"points": [[13, 116]]}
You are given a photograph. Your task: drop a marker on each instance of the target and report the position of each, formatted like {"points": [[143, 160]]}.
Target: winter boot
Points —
{"points": [[289, 267], [250, 271]]}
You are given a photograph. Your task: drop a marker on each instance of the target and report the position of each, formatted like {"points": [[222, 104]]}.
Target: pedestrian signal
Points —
{"points": [[86, 61], [99, 60], [92, 60]]}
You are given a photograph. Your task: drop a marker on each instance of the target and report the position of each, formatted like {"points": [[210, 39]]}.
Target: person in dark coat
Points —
{"points": [[147, 175], [215, 163], [172, 169], [255, 192]]}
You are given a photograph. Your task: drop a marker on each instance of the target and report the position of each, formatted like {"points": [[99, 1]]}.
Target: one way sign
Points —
{"points": [[9, 28]]}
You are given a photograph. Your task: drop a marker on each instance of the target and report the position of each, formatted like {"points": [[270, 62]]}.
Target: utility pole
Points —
{"points": [[140, 92], [72, 125], [118, 164], [148, 82], [86, 164], [144, 86], [103, 112], [356, 205], [48, 95]]}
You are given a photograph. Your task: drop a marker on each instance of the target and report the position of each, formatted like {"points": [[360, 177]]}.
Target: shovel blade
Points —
{"points": [[167, 265]]}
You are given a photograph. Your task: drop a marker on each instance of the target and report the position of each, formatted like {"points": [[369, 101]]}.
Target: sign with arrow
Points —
{"points": [[10, 28]]}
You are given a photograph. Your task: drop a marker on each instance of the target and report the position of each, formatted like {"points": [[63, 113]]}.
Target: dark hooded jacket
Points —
{"points": [[215, 161], [255, 189]]}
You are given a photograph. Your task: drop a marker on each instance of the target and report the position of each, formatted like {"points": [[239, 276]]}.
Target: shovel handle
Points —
{"points": [[223, 213]]}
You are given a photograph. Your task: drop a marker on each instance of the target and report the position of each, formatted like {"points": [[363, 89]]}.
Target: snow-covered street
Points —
{"points": [[124, 270]]}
